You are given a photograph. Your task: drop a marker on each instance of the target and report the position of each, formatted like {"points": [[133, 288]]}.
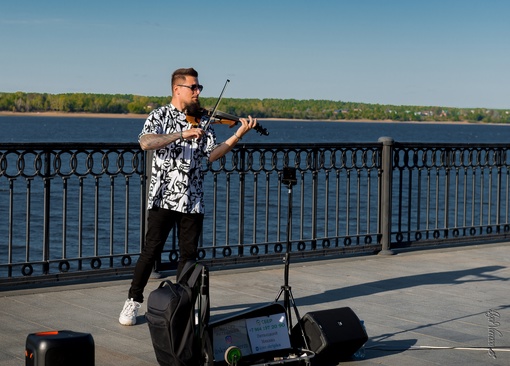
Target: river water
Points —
{"points": [[84, 129]]}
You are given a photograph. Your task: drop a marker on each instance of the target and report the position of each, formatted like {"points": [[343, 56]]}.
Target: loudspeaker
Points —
{"points": [[333, 335], [59, 348]]}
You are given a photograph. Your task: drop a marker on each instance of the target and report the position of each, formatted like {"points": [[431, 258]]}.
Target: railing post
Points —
{"points": [[499, 159], [241, 200], [315, 168], [46, 209], [448, 163], [386, 194]]}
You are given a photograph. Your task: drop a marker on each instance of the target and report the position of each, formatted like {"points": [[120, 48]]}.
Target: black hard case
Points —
{"points": [[59, 348]]}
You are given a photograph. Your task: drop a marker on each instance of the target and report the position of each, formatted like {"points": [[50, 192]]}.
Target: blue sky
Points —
{"points": [[451, 53]]}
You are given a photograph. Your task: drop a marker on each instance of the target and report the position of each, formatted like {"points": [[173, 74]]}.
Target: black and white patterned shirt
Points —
{"points": [[177, 175]]}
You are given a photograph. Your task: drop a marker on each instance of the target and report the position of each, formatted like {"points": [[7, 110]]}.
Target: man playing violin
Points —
{"points": [[176, 189]]}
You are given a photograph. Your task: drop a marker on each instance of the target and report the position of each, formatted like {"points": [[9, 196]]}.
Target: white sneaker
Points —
{"points": [[129, 312]]}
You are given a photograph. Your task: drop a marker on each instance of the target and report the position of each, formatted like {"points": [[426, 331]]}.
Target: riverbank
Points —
{"points": [[80, 115]]}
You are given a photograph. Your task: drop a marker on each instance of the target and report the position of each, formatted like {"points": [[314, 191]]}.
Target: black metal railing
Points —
{"points": [[67, 208], [78, 210], [450, 192]]}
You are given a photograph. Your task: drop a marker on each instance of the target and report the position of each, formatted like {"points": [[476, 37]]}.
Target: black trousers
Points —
{"points": [[159, 223]]}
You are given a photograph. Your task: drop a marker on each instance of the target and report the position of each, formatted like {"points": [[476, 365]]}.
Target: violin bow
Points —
{"points": [[216, 105]]}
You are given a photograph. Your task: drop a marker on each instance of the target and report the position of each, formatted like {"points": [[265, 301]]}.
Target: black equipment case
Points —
{"points": [[59, 348]]}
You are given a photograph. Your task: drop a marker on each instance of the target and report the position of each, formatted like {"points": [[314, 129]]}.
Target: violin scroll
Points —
{"points": [[261, 130]]}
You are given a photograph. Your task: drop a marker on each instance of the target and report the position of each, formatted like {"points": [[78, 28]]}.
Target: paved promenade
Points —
{"points": [[422, 307]]}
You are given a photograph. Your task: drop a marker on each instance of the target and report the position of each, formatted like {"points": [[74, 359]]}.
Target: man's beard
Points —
{"points": [[194, 109]]}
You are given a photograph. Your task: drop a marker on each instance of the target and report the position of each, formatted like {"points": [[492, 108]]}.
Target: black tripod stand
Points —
{"points": [[289, 179]]}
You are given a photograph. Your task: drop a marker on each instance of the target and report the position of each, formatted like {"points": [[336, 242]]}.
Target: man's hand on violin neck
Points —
{"points": [[247, 124]]}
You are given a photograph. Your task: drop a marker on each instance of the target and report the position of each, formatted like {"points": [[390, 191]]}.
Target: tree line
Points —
{"points": [[259, 108]]}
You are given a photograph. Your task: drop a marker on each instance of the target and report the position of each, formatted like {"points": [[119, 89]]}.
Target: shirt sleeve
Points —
{"points": [[153, 125]]}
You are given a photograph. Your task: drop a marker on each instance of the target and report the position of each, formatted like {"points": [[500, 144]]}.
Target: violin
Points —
{"points": [[219, 118]]}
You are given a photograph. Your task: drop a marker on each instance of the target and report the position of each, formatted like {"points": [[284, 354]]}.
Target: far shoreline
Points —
{"points": [[144, 116], [72, 114]]}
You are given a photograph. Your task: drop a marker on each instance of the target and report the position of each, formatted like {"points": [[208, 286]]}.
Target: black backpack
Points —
{"points": [[178, 316]]}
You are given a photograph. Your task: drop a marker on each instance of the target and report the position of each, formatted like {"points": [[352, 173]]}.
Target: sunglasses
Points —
{"points": [[193, 87]]}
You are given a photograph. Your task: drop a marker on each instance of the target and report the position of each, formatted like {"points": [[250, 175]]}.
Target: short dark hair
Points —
{"points": [[180, 75]]}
